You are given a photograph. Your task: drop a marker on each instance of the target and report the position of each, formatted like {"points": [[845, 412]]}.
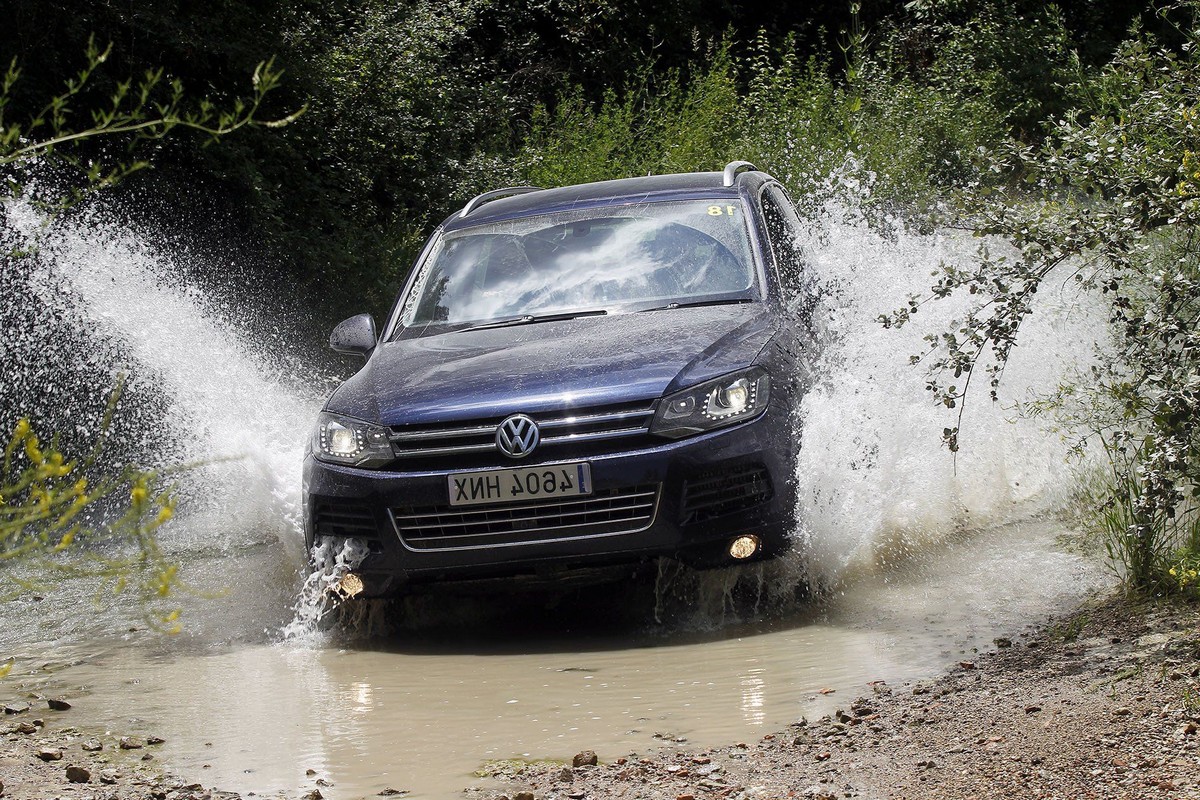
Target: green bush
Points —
{"points": [[1112, 204]]}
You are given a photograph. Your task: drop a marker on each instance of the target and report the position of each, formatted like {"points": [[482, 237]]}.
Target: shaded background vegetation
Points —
{"points": [[413, 107]]}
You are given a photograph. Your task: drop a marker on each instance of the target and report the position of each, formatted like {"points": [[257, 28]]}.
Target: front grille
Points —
{"points": [[715, 494], [608, 512], [344, 519], [558, 428]]}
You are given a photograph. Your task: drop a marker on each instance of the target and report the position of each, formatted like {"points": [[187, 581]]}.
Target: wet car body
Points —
{"points": [[592, 412]]}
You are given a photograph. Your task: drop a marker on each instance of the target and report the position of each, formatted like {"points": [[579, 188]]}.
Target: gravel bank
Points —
{"points": [[1104, 703]]}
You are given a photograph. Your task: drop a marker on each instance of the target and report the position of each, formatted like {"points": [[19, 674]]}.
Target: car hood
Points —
{"points": [[551, 365]]}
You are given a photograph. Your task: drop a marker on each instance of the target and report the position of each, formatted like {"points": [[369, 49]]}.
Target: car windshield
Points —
{"points": [[608, 259]]}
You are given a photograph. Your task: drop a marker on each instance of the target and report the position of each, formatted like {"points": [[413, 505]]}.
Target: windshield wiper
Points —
{"points": [[726, 301], [530, 319]]}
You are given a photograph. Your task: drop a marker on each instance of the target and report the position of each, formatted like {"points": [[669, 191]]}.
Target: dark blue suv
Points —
{"points": [[573, 382]]}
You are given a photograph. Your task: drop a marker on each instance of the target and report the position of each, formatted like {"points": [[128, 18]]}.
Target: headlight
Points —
{"points": [[724, 401], [345, 440]]}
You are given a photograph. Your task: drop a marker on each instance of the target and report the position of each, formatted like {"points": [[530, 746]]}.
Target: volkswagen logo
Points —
{"points": [[517, 436]]}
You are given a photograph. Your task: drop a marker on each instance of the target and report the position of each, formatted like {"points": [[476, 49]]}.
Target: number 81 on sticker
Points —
{"points": [[722, 211]]}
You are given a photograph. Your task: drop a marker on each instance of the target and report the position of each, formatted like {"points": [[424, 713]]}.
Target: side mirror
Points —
{"points": [[354, 336]]}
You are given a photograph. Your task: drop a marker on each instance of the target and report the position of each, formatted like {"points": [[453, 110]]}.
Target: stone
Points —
{"points": [[1032, 709], [1002, 642], [109, 776], [587, 758], [92, 746], [390, 792], [27, 727], [58, 704], [130, 743], [50, 754], [154, 740], [566, 775], [78, 775], [523, 796], [16, 708], [315, 794]]}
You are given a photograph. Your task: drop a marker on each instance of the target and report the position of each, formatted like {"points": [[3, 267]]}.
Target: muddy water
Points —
{"points": [[420, 709], [930, 554]]}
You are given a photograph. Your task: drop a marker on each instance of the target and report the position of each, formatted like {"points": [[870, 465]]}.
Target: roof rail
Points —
{"points": [[495, 194], [734, 167]]}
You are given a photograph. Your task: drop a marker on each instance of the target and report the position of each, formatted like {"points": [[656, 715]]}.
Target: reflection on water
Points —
{"points": [[423, 709]]}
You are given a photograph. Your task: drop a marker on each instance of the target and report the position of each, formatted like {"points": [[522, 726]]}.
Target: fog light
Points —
{"points": [[350, 586], [743, 547]]}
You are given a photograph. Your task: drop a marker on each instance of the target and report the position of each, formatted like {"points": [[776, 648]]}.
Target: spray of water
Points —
{"points": [[218, 398], [331, 559], [876, 484]]}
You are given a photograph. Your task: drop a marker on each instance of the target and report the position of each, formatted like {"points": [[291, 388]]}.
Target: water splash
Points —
{"points": [[331, 560], [876, 484], [202, 387]]}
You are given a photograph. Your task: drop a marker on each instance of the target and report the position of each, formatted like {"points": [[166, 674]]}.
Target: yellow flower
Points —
{"points": [[138, 494]]}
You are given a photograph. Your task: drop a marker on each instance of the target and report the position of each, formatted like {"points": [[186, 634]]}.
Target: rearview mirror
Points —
{"points": [[354, 336]]}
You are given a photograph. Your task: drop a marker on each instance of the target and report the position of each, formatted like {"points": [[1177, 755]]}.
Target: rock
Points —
{"points": [[967, 664], [390, 792], [862, 708], [92, 745], [1002, 641], [147, 757], [130, 743], [50, 754], [310, 772], [323, 783], [27, 727], [566, 775], [58, 704], [587, 758], [1, 788], [315, 794], [1032, 709], [16, 708], [577, 794], [154, 740], [78, 775], [109, 776], [523, 796]]}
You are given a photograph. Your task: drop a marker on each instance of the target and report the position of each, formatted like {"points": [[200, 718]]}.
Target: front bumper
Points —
{"points": [[683, 499]]}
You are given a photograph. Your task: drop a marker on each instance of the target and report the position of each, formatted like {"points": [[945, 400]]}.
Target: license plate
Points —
{"points": [[517, 485]]}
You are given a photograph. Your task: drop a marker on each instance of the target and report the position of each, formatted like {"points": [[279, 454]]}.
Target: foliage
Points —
{"points": [[50, 505], [136, 112], [1114, 208], [909, 140]]}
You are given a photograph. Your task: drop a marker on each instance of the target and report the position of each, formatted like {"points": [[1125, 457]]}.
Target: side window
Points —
{"points": [[783, 230]]}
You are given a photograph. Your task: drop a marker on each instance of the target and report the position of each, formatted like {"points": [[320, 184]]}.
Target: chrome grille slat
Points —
{"points": [[595, 419], [444, 433], [588, 437], [446, 451], [610, 512]]}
